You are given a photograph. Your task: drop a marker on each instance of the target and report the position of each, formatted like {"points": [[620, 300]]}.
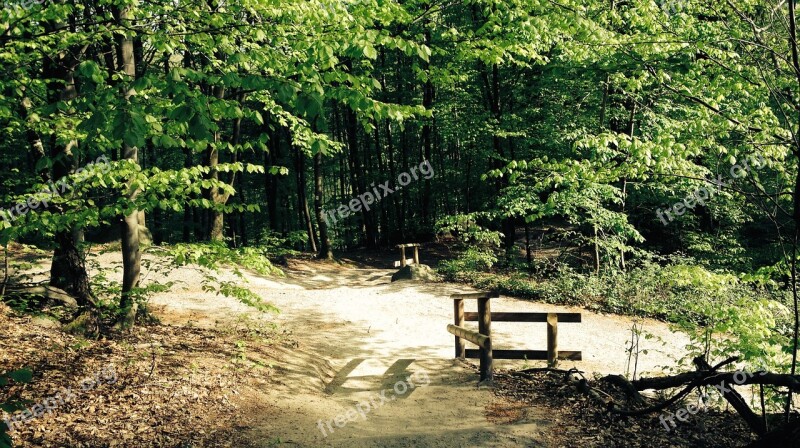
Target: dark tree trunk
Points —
{"points": [[324, 240], [272, 158], [382, 206], [188, 217], [493, 88], [68, 268], [427, 132], [216, 217], [302, 200]]}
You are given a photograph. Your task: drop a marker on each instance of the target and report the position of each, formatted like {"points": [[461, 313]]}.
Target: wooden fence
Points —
{"points": [[483, 337]]}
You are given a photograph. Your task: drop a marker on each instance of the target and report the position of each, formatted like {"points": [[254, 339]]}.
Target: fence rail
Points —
{"points": [[483, 337]]}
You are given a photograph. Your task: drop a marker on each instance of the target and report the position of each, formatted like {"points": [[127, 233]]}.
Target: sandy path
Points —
{"points": [[359, 334]]}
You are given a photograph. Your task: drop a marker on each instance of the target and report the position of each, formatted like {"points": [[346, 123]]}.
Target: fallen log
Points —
{"points": [[626, 386], [711, 379], [689, 381], [786, 436], [681, 379]]}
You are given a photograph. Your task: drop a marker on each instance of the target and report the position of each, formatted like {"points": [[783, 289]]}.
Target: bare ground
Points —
{"points": [[358, 334], [346, 334]]}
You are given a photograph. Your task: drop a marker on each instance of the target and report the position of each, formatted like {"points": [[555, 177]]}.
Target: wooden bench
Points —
{"points": [[403, 261]]}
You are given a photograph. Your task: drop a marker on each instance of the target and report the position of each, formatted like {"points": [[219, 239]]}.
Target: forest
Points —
{"points": [[638, 158]]}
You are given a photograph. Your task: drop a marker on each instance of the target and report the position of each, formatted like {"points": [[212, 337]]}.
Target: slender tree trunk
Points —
{"points": [[216, 216], [242, 215], [324, 241], [272, 158], [631, 129], [427, 130], [596, 241], [396, 232], [382, 206], [129, 224], [795, 211], [302, 200], [357, 179], [508, 226], [158, 215], [528, 254], [188, 219]]}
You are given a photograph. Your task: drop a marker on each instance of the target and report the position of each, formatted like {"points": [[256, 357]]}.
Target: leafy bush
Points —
{"points": [[470, 260], [468, 232]]}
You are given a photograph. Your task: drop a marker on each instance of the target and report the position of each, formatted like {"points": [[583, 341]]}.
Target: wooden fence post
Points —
{"points": [[552, 339], [485, 328], [402, 256], [458, 308], [416, 255]]}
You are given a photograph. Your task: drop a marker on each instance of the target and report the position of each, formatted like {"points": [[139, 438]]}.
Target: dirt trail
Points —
{"points": [[359, 334]]}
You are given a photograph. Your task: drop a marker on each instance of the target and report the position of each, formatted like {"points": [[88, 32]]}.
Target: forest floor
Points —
{"points": [[215, 372]]}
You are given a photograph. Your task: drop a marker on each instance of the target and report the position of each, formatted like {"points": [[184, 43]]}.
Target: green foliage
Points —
{"points": [[470, 260], [214, 256], [217, 254], [468, 232], [240, 293], [274, 245]]}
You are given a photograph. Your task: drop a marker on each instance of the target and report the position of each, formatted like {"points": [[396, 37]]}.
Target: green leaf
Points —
{"points": [[424, 53], [21, 376], [370, 52]]}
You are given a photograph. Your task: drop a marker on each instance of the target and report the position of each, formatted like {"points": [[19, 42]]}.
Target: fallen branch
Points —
{"points": [[706, 379], [626, 386], [735, 399]]}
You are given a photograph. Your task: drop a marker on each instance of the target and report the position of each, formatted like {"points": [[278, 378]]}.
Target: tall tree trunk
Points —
{"points": [[357, 179], [383, 206], [188, 216], [427, 131], [395, 234], [796, 209], [129, 224], [158, 215], [493, 88], [324, 241], [272, 158], [302, 199], [242, 215], [216, 215], [631, 129], [68, 268]]}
